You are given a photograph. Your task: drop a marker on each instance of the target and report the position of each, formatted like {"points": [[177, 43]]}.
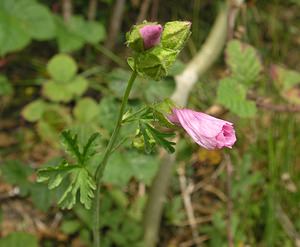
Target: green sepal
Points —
{"points": [[155, 62], [134, 39], [175, 34]]}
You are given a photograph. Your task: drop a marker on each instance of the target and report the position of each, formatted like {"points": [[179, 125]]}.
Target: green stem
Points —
{"points": [[102, 165]]}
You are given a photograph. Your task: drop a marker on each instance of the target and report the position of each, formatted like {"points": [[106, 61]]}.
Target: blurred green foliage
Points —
{"points": [[52, 76]]}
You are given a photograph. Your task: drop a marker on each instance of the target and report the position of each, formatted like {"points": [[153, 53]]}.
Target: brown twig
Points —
{"points": [[198, 221], [229, 171], [192, 242], [114, 27], [143, 11], [287, 225], [203, 183], [156, 200], [186, 195], [67, 9], [203, 60], [235, 6], [154, 10], [92, 10], [266, 104]]}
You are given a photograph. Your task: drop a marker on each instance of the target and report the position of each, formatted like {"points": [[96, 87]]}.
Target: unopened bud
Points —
{"points": [[175, 34], [144, 36]]}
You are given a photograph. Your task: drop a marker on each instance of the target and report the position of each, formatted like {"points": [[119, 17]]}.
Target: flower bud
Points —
{"points": [[144, 36], [151, 35], [175, 34], [207, 131]]}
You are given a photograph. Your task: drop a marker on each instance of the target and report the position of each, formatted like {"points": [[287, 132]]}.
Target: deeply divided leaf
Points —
{"points": [[71, 146], [79, 181]]}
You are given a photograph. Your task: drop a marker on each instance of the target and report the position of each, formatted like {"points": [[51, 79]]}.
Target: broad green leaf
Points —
{"points": [[117, 79], [233, 96], [70, 226], [34, 110], [77, 86], [284, 78], [41, 196], [90, 31], [130, 164], [65, 92], [12, 35], [144, 167], [16, 173], [36, 19], [107, 112], [54, 119], [119, 197], [86, 110], [287, 82], [57, 91], [21, 21], [243, 62], [72, 35], [118, 170], [67, 40], [5, 86], [62, 68], [19, 239], [157, 91]]}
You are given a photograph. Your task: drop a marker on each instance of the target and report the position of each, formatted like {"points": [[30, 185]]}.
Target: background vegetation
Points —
{"points": [[63, 65]]}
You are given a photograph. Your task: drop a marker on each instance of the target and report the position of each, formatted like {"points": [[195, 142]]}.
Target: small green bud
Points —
{"points": [[175, 34]]}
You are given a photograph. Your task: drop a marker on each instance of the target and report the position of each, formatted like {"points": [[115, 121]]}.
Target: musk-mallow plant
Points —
{"points": [[155, 48]]}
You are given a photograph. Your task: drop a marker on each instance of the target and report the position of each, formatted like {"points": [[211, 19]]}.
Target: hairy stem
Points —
{"points": [[102, 165]]}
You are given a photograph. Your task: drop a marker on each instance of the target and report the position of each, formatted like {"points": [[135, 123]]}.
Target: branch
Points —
{"points": [[266, 104], [92, 10], [143, 11], [209, 53], [156, 199], [114, 27], [67, 9], [287, 225], [186, 195], [154, 10]]}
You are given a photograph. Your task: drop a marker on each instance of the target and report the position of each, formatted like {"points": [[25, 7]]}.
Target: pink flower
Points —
{"points": [[207, 131], [151, 35]]}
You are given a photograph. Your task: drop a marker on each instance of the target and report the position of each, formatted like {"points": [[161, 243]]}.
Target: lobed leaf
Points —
{"points": [[233, 96], [243, 62], [21, 21], [62, 68]]}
